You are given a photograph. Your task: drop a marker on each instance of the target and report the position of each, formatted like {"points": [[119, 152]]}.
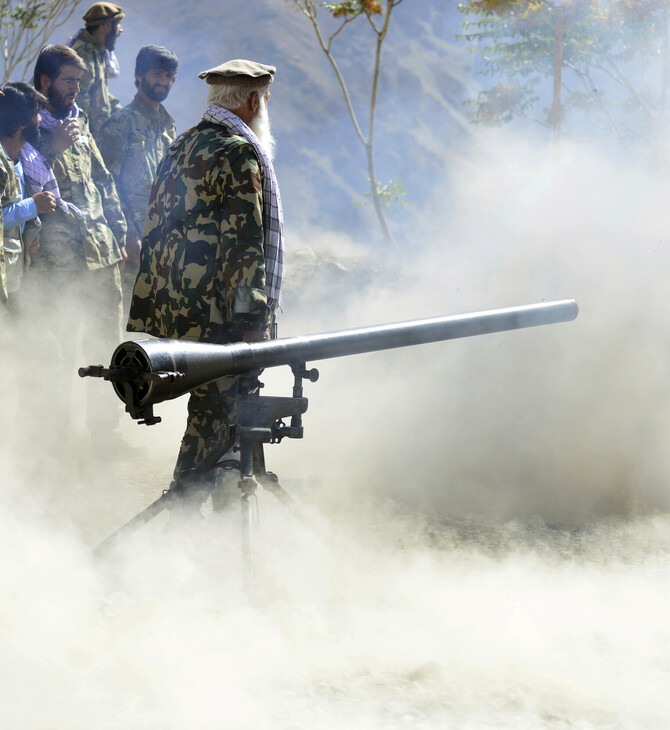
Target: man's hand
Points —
{"points": [[124, 257], [65, 135], [45, 202], [133, 247], [255, 335]]}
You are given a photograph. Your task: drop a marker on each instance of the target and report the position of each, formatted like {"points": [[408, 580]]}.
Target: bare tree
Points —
{"points": [[377, 13], [25, 26]]}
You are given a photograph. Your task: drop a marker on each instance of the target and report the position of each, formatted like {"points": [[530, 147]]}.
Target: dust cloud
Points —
{"points": [[490, 541]]}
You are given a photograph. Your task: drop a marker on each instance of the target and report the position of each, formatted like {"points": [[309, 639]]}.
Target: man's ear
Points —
{"points": [[255, 99], [45, 83]]}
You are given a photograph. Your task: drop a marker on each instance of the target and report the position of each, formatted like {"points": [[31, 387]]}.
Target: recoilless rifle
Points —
{"points": [[149, 371]]}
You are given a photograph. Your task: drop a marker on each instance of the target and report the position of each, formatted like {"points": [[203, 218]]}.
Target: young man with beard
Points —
{"points": [[19, 120], [211, 263], [76, 268], [133, 141], [95, 45]]}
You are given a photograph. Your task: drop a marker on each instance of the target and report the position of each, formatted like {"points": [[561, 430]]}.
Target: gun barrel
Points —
{"points": [[161, 369]]}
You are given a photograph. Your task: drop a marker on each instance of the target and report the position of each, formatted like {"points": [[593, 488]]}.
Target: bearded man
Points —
{"points": [[76, 269], [95, 45], [133, 141], [211, 263]]}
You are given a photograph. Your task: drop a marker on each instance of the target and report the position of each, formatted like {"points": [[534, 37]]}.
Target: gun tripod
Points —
{"points": [[260, 422]]}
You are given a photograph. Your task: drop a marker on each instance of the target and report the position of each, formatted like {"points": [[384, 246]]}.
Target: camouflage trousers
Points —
{"points": [[67, 310], [128, 277], [13, 363], [212, 409]]}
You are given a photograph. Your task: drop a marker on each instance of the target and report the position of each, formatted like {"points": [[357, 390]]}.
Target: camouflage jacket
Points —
{"points": [[15, 240], [68, 240], [6, 177], [132, 142], [202, 267], [94, 97]]}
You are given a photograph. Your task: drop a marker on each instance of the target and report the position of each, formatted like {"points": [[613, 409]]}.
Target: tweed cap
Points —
{"points": [[240, 73], [101, 12]]}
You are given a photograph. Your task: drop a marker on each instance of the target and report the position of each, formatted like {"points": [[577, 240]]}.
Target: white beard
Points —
{"points": [[260, 126]]}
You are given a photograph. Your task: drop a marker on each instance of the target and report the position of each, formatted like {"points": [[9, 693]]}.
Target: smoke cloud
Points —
{"points": [[491, 537]]}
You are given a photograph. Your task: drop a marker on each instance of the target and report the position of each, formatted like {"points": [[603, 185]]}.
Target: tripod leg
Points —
{"points": [[249, 513], [249, 523], [270, 482], [142, 518]]}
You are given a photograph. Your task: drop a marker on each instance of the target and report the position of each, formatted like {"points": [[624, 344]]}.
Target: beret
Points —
{"points": [[240, 73], [100, 12]]}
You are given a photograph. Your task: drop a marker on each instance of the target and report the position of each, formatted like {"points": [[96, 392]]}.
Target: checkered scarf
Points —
{"points": [[39, 177], [50, 122], [38, 172], [273, 217]]}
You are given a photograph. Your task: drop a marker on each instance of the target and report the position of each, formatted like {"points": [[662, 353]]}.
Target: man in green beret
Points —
{"points": [[133, 141], [95, 44], [211, 264]]}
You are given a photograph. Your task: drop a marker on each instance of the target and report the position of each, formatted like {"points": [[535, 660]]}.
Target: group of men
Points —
{"points": [[99, 201]]}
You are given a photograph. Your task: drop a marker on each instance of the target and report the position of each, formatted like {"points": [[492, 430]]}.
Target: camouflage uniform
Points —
{"points": [[6, 175], [6, 178], [70, 241], [14, 240], [14, 355], [94, 97], [132, 142], [202, 268], [77, 262]]}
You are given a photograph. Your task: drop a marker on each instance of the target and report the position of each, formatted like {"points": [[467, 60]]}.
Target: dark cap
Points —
{"points": [[102, 12], [240, 73]]}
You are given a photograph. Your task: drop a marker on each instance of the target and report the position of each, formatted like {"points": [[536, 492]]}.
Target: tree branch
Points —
{"points": [[340, 78], [20, 43]]}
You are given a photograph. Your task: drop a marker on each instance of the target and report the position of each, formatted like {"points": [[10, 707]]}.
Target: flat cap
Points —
{"points": [[240, 73], [101, 12]]}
